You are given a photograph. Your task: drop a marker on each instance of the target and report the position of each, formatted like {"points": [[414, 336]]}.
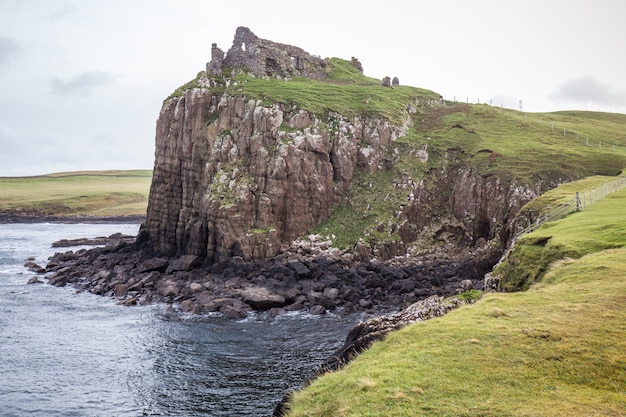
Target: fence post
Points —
{"points": [[577, 201]]}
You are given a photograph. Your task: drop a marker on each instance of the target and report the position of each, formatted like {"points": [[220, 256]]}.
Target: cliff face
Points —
{"points": [[235, 176]]}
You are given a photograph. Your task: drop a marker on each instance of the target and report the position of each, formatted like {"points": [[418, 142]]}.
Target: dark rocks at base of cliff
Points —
{"points": [[293, 281]]}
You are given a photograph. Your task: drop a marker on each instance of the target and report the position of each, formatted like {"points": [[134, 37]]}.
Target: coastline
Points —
{"points": [[6, 218]]}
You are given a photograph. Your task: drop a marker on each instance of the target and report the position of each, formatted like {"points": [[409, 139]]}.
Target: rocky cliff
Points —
{"points": [[242, 176], [234, 177]]}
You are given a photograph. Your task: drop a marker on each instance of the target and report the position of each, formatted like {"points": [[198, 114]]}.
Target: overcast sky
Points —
{"points": [[82, 81]]}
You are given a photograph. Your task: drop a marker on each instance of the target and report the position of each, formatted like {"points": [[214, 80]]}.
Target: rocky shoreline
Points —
{"points": [[12, 216], [311, 276]]}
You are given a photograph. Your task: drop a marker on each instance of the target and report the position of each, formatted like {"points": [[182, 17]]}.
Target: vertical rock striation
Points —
{"points": [[233, 177], [241, 177]]}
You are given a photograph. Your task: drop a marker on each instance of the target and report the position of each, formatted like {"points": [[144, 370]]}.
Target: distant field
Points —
{"points": [[82, 193]]}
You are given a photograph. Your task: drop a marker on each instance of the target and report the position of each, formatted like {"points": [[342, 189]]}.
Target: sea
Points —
{"points": [[70, 353]]}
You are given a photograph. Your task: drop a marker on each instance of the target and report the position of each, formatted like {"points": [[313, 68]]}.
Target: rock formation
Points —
{"points": [[237, 177], [241, 177], [242, 185]]}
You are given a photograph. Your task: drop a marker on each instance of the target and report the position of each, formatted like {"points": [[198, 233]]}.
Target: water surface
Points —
{"points": [[64, 353]]}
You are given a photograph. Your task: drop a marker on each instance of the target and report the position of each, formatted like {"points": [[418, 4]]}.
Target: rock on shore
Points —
{"points": [[309, 277]]}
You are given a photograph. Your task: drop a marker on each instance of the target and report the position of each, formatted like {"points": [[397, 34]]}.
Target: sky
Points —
{"points": [[82, 81]]}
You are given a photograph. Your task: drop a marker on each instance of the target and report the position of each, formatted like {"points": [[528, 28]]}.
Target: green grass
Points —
{"points": [[347, 92], [598, 227], [563, 194], [94, 193], [557, 349], [508, 143]]}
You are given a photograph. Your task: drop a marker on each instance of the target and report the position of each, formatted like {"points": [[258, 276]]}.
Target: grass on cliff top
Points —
{"points": [[526, 146], [346, 91], [565, 193], [92, 193], [598, 227], [557, 349]]}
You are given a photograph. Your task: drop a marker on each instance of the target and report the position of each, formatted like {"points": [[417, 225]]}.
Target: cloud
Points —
{"points": [[81, 84], [62, 11], [589, 90], [8, 49]]}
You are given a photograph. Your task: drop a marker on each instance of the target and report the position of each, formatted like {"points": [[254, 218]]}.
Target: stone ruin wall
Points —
{"points": [[266, 58]]}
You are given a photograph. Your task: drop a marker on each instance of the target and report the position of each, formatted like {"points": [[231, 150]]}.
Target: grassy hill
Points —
{"points": [[86, 193], [557, 349]]}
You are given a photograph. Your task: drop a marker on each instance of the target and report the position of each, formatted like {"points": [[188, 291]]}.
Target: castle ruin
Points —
{"points": [[266, 58]]}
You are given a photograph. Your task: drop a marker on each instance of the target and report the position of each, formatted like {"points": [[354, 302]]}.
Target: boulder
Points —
{"points": [[318, 298], [146, 298], [216, 304], [129, 301], [465, 286], [33, 267], [299, 268], [121, 291], [189, 306], [183, 263], [260, 298], [153, 264], [318, 310], [233, 312], [168, 288]]}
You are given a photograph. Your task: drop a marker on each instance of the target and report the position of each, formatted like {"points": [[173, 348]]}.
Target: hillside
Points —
{"points": [[67, 195], [554, 350], [270, 144]]}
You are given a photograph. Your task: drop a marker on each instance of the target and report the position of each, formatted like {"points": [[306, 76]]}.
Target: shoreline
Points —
{"points": [[8, 218], [305, 278]]}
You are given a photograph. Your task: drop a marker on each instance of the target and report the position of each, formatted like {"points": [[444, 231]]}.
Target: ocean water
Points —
{"points": [[66, 353]]}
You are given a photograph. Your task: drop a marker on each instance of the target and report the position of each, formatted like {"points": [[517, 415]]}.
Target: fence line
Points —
{"points": [[580, 201]]}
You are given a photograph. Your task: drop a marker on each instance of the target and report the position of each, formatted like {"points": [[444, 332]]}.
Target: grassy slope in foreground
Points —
{"points": [[86, 193], [557, 349]]}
